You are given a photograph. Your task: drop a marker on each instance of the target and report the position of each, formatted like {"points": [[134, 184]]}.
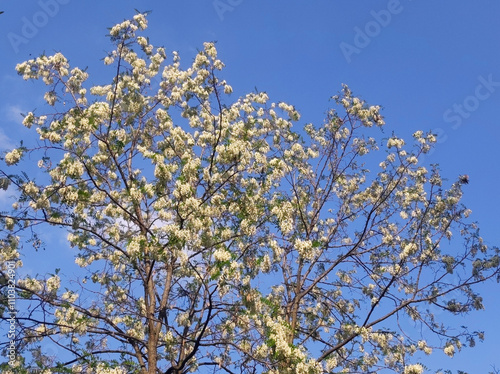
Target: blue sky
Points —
{"points": [[432, 65]]}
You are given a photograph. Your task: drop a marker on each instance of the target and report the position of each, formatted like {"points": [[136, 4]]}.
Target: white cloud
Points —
{"points": [[3, 197], [5, 143], [6, 198], [13, 113], [12, 119]]}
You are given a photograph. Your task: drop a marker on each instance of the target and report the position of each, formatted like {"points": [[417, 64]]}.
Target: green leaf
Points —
{"points": [[4, 183]]}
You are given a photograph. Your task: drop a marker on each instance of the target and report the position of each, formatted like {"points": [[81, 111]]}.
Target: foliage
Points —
{"points": [[215, 237]]}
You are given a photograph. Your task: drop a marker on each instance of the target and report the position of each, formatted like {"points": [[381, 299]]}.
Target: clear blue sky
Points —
{"points": [[432, 65]]}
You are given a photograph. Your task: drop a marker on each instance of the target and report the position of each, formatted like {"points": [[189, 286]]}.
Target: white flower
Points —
{"points": [[31, 284], [29, 119], [412, 160], [331, 363], [53, 283], [69, 296], [417, 134], [9, 223], [414, 369], [395, 142], [50, 97], [41, 329], [222, 255], [449, 350], [141, 21], [13, 157], [108, 60]]}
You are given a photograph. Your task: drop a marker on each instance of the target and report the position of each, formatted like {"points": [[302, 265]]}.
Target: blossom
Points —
{"points": [[53, 283], [395, 142], [222, 255], [414, 369], [305, 248], [13, 157], [408, 250], [31, 284], [141, 21], [449, 350], [29, 119], [422, 345], [69, 296], [9, 223], [108, 60], [50, 97]]}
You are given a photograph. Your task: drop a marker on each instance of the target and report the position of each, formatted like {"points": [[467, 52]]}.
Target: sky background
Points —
{"points": [[432, 65]]}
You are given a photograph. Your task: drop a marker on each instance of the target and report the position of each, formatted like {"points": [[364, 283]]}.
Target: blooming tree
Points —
{"points": [[213, 237]]}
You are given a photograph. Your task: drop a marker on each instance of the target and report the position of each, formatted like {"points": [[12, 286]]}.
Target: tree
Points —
{"points": [[213, 237]]}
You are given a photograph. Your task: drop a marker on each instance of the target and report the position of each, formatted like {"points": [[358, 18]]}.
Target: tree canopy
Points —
{"points": [[216, 236]]}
